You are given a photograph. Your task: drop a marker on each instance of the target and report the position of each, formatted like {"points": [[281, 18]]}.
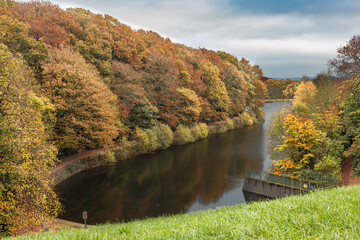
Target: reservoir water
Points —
{"points": [[202, 175]]}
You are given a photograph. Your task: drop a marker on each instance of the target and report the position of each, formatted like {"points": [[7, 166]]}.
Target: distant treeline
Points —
{"points": [[280, 89]]}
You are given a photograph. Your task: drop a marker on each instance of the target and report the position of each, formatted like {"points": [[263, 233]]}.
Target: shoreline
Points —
{"points": [[74, 164], [277, 100]]}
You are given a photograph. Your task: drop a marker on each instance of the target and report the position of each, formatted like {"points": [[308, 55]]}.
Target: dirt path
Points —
{"points": [[64, 161]]}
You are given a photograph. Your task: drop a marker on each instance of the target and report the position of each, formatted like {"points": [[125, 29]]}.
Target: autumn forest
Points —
{"points": [[73, 81]]}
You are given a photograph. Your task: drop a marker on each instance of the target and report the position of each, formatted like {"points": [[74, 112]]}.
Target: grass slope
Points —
{"points": [[330, 214]]}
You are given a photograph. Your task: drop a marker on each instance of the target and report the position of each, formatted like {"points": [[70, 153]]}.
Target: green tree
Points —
{"points": [[351, 110]]}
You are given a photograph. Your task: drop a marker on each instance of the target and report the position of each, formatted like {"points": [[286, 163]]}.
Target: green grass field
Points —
{"points": [[329, 214]]}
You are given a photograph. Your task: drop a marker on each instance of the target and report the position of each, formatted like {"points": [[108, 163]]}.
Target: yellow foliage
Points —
{"points": [[26, 157], [305, 94], [300, 140]]}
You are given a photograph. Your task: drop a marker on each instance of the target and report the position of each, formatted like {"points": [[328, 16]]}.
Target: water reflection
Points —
{"points": [[202, 175]]}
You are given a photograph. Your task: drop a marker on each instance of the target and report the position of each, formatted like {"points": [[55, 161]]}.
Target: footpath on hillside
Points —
{"points": [[64, 161]]}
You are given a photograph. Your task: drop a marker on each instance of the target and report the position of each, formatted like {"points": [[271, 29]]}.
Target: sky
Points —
{"points": [[286, 38]]}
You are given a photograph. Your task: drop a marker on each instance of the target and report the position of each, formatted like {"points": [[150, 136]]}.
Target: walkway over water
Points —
{"points": [[275, 186]]}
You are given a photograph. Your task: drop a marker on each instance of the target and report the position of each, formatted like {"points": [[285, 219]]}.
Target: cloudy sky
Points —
{"points": [[287, 38]]}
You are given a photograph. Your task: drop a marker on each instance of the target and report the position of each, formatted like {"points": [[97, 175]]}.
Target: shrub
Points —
{"points": [[238, 121], [183, 135], [108, 157], [153, 141], [199, 131], [229, 123], [248, 121], [164, 136], [320, 177], [222, 128], [204, 132], [143, 142], [328, 165], [124, 151], [218, 128], [259, 114], [195, 131]]}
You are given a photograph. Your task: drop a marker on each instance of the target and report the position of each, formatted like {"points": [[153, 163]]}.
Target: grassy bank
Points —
{"points": [[330, 214]]}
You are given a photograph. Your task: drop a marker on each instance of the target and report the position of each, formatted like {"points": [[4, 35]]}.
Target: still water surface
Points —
{"points": [[181, 179]]}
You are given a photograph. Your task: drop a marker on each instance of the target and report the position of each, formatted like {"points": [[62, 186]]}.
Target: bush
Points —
{"points": [[195, 131], [229, 123], [259, 114], [204, 131], [218, 128], [164, 136], [142, 140], [328, 165], [183, 135], [153, 141], [238, 121], [199, 131], [125, 150], [320, 177], [248, 121], [108, 157], [221, 128]]}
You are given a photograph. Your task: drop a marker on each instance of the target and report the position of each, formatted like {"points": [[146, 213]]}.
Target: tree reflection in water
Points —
{"points": [[179, 179]]}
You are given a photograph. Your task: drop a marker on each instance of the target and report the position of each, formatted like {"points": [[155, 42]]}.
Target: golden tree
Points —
{"points": [[300, 141], [26, 157]]}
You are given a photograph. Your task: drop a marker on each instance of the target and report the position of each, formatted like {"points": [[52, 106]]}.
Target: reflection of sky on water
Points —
{"points": [[227, 199]]}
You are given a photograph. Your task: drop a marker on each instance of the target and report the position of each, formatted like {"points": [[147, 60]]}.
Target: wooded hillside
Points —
{"points": [[72, 81], [100, 80]]}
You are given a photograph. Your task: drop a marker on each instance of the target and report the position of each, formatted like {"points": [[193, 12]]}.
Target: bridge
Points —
{"points": [[273, 186]]}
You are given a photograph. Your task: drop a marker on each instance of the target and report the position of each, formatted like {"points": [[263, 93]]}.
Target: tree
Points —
{"points": [[347, 62], [215, 92], [300, 141], [47, 22], [304, 98], [290, 90], [237, 89], [15, 35], [26, 157], [84, 104], [276, 132], [190, 106], [160, 80], [351, 110], [260, 93], [133, 103]]}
